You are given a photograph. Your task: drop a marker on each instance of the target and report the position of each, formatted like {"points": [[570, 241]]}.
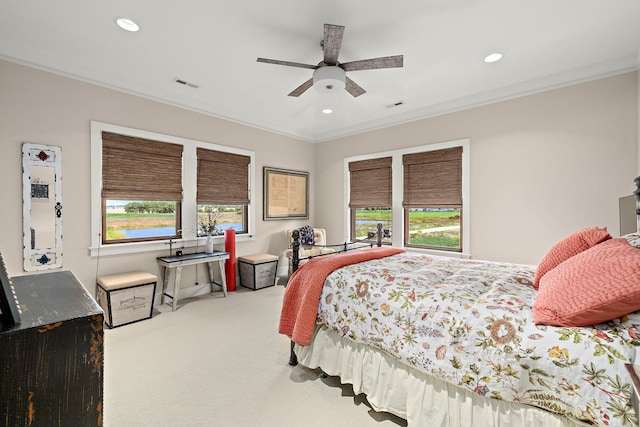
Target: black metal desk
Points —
{"points": [[177, 262]]}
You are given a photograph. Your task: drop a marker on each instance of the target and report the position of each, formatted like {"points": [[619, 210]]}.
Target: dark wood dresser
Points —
{"points": [[51, 363]]}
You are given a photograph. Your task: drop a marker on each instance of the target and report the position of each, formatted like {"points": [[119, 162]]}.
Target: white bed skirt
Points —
{"points": [[422, 400]]}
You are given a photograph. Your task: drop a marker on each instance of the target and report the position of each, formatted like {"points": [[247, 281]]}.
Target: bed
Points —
{"points": [[443, 341]]}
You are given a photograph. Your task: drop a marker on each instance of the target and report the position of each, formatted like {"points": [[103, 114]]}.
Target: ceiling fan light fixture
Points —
{"points": [[329, 75], [329, 79]]}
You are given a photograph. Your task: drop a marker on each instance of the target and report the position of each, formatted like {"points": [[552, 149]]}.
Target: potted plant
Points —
{"points": [[208, 225]]}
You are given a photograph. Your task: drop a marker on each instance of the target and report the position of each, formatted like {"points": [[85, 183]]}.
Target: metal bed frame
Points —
{"points": [[343, 247]]}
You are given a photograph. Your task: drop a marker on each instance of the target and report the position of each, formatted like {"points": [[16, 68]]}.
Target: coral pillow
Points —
{"points": [[568, 247], [597, 285]]}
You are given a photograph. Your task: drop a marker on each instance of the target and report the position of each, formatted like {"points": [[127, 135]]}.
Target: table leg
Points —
{"points": [[164, 278], [223, 276], [176, 287], [210, 271]]}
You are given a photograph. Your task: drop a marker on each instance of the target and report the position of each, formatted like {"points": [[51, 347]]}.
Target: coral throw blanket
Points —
{"points": [[302, 295]]}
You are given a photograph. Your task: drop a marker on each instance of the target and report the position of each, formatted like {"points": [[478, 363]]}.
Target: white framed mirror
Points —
{"points": [[42, 206]]}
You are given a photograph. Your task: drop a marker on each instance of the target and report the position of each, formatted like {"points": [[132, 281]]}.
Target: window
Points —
{"points": [[365, 223], [223, 206], [432, 183], [420, 194], [149, 189], [437, 228], [139, 220], [141, 189], [370, 198]]}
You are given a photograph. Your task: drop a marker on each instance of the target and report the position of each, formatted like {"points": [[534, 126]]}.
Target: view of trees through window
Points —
{"points": [[214, 219], [136, 220], [128, 220], [434, 227], [428, 227], [365, 221]]}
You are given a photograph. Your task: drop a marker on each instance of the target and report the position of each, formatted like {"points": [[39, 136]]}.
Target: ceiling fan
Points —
{"points": [[329, 75]]}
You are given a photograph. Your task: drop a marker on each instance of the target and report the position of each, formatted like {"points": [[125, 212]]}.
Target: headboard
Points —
{"points": [[637, 194], [341, 247]]}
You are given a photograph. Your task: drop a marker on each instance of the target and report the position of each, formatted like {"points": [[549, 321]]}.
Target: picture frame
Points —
{"points": [[286, 194], [9, 306], [39, 191]]}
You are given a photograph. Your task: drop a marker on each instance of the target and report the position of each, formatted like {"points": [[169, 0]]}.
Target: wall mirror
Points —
{"points": [[42, 206]]}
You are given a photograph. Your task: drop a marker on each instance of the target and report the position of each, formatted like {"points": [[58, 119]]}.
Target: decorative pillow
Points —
{"points": [[597, 285], [633, 239], [306, 235], [568, 247]]}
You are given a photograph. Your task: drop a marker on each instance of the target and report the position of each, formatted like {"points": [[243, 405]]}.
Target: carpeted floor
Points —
{"points": [[220, 362]]}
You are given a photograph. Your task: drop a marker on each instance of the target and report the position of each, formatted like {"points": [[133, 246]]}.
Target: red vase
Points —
{"points": [[230, 264]]}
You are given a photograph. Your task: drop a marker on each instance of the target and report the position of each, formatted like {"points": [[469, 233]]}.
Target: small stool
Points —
{"points": [[258, 271], [126, 297]]}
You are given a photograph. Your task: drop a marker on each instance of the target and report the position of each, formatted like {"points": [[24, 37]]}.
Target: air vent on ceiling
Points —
{"points": [[395, 104], [186, 83]]}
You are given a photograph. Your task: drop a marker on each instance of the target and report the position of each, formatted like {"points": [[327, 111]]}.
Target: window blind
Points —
{"points": [[223, 178], [140, 169], [433, 178], [370, 183]]}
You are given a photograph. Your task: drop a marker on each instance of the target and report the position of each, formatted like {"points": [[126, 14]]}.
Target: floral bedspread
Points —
{"points": [[470, 323]]}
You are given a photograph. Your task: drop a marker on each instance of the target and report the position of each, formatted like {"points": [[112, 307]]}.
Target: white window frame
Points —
{"points": [[397, 211], [189, 188]]}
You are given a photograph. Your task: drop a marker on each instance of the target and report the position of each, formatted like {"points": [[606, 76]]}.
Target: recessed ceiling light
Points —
{"points": [[327, 111], [494, 57], [127, 24]]}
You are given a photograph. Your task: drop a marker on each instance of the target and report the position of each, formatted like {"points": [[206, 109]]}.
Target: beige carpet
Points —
{"points": [[220, 362]]}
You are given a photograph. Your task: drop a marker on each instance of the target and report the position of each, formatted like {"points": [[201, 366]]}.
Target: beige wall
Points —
{"points": [[45, 108], [542, 166]]}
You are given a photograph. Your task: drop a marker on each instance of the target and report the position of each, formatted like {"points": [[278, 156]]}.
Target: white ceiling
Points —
{"points": [[214, 44]]}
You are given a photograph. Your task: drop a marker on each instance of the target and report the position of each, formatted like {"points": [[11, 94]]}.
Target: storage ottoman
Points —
{"points": [[126, 297], [258, 271]]}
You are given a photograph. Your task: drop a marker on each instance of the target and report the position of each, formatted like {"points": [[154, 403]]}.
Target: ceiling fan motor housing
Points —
{"points": [[329, 79]]}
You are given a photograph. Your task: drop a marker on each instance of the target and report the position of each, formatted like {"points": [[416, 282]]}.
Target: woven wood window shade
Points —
{"points": [[140, 169], [433, 179], [223, 178], [370, 183]]}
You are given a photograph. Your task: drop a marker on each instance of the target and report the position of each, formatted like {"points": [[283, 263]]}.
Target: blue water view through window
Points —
{"points": [[167, 231]]}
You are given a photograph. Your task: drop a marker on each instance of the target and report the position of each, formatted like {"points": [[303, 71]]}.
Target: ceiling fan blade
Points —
{"points": [[353, 88], [332, 42], [374, 63], [302, 88], [287, 63]]}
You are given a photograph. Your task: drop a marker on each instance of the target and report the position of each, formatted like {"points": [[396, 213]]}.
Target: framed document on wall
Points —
{"points": [[286, 194]]}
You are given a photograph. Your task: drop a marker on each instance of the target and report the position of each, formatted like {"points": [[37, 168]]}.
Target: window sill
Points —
{"points": [[192, 245]]}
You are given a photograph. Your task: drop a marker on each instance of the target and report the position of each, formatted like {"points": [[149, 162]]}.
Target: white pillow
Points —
{"points": [[633, 239]]}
